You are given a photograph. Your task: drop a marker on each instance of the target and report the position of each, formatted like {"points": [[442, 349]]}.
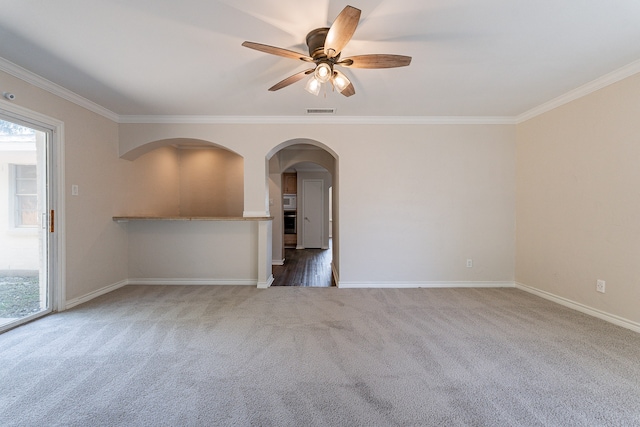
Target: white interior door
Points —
{"points": [[313, 213]]}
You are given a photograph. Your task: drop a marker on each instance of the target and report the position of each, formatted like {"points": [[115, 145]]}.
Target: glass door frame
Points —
{"points": [[54, 129]]}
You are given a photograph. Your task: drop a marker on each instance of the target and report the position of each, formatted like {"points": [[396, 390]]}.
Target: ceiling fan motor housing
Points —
{"points": [[315, 42]]}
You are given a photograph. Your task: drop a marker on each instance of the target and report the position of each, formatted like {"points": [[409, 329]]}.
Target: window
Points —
{"points": [[25, 186]]}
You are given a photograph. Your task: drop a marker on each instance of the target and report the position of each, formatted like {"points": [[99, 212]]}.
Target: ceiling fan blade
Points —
{"points": [[291, 80], [277, 51], [341, 31], [349, 90], [375, 61]]}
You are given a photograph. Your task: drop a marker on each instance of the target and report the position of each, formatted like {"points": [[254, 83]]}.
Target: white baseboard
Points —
{"points": [[277, 261], [266, 284], [216, 282], [88, 297], [611, 318], [380, 285]]}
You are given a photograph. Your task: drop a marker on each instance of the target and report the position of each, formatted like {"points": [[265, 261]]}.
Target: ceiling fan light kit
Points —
{"points": [[325, 46], [313, 86], [323, 72], [340, 81]]}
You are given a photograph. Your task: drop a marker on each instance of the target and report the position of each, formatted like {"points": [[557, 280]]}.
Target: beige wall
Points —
{"points": [[96, 247], [414, 202], [578, 200], [417, 201], [211, 182], [193, 252], [153, 184]]}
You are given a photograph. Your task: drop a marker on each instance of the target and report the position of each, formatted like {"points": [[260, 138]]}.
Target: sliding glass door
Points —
{"points": [[26, 223]]}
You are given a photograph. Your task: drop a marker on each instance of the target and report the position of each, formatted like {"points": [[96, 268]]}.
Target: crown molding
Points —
{"points": [[296, 120], [584, 90], [34, 79]]}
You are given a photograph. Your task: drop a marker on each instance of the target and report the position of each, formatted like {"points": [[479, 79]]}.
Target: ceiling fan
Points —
{"points": [[325, 46]]}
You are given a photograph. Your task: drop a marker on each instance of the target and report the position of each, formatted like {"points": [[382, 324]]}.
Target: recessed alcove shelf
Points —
{"points": [[191, 218]]}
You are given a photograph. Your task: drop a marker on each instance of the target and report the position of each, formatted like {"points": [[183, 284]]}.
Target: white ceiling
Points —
{"points": [[470, 57]]}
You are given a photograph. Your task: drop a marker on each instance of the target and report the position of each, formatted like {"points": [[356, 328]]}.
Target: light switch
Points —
{"points": [[74, 190]]}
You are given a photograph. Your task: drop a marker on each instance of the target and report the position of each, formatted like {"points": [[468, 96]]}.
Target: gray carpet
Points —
{"points": [[207, 355]]}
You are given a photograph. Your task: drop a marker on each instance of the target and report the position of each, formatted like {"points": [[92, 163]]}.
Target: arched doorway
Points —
{"points": [[314, 241]]}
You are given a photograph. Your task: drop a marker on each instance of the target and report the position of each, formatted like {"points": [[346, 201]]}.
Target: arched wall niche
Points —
{"points": [[170, 142], [188, 177]]}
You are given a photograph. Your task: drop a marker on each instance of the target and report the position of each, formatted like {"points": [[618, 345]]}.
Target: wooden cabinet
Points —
{"points": [[290, 240], [289, 183]]}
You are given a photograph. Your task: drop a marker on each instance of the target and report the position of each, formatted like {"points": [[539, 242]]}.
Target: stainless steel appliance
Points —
{"points": [[289, 202], [290, 222]]}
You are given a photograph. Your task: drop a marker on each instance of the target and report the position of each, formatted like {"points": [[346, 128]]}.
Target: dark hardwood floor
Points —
{"points": [[304, 267]]}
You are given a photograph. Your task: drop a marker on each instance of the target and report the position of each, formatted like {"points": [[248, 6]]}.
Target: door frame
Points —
{"points": [[57, 254]]}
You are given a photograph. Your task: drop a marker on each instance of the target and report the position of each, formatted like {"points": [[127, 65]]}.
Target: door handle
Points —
{"points": [[306, 219]]}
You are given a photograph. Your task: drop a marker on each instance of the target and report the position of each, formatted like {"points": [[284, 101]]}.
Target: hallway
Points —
{"points": [[304, 267]]}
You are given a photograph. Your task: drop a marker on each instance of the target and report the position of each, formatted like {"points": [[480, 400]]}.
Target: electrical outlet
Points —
{"points": [[600, 286], [74, 190], [469, 263]]}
